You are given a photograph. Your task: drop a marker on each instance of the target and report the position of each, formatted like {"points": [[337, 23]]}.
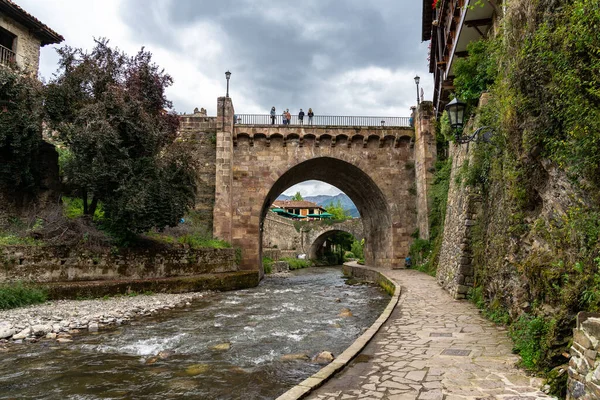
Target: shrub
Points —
{"points": [[267, 263], [296, 263], [19, 295]]}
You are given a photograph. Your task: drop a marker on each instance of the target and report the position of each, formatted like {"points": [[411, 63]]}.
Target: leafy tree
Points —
{"points": [[297, 197], [20, 130], [109, 110], [337, 211]]}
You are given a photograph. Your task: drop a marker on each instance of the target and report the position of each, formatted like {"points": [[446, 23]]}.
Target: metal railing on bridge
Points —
{"points": [[323, 120]]}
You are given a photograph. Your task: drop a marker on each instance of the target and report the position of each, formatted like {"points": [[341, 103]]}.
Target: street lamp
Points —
{"points": [[417, 80], [456, 115], [227, 76]]}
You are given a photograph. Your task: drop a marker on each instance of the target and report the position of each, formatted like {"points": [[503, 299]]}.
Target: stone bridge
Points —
{"points": [[316, 234], [385, 170]]}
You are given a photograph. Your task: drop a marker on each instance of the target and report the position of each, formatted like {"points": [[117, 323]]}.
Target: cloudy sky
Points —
{"points": [[340, 57]]}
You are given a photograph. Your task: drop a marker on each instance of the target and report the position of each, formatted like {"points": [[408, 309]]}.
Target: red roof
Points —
{"points": [[295, 204], [43, 32]]}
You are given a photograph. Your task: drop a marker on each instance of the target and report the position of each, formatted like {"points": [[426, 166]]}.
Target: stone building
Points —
{"points": [[299, 208], [21, 37]]}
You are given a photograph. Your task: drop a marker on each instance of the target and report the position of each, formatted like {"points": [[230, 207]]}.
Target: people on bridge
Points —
{"points": [[273, 115], [301, 117], [284, 117], [407, 262], [288, 116], [311, 114]]}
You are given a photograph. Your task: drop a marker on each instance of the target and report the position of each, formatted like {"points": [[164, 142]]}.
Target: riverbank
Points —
{"points": [[59, 320]]}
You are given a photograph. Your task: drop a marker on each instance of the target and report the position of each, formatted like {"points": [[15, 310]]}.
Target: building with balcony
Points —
{"points": [[21, 37], [451, 25]]}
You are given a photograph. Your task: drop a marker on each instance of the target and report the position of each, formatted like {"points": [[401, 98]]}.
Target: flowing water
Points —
{"points": [[283, 315]]}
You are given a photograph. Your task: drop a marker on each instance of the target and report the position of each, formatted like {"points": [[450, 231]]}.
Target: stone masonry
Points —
{"points": [[27, 45], [425, 156], [584, 365], [373, 165], [455, 269]]}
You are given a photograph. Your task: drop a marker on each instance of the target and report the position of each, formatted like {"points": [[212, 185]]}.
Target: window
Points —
{"points": [[7, 42]]}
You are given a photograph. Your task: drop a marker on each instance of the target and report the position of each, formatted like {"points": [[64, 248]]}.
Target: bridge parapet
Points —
{"points": [[327, 136]]}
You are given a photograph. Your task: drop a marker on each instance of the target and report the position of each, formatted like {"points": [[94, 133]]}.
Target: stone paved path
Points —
{"points": [[433, 347]]}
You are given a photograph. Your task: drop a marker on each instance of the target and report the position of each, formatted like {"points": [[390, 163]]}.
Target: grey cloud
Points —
{"points": [[271, 46]]}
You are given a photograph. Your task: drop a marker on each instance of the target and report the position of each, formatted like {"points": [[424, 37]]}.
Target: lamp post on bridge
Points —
{"points": [[227, 76], [417, 80]]}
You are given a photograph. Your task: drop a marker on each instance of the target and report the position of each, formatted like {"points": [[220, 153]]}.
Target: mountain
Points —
{"points": [[325, 200]]}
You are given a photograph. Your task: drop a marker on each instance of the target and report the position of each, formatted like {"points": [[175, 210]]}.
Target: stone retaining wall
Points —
{"points": [[584, 366], [67, 264]]}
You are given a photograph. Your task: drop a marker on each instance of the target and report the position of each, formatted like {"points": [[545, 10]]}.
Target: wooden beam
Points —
{"points": [[474, 23]]}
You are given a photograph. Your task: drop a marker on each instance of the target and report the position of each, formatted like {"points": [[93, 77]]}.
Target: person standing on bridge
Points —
{"points": [[288, 116], [284, 117], [301, 117], [273, 115], [310, 115]]}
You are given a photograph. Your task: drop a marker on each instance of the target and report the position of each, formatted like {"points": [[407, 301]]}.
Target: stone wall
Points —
{"points": [[584, 365], [280, 233], [27, 45], [198, 132], [425, 156], [455, 269], [68, 264]]}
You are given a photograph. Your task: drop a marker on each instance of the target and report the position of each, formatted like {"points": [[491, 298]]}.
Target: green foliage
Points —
{"points": [[267, 263], [109, 111], [357, 248], [296, 263], [297, 197], [531, 341], [348, 256], [15, 295], [338, 212], [477, 72], [20, 130], [73, 208], [193, 240]]}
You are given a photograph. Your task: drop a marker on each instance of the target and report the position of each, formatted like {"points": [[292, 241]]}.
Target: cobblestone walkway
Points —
{"points": [[433, 347]]}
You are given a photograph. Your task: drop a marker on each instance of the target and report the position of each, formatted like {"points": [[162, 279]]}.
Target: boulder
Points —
{"points": [[22, 335], [41, 330], [6, 332], [345, 313], [222, 347], [197, 369], [295, 357], [324, 357]]}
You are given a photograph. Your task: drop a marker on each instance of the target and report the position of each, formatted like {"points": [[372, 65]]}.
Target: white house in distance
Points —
{"points": [[21, 37]]}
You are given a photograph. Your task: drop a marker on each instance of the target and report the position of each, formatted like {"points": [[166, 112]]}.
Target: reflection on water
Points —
{"points": [[173, 355]]}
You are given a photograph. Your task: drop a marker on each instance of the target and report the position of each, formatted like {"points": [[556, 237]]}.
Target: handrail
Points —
{"points": [[7, 56], [323, 120]]}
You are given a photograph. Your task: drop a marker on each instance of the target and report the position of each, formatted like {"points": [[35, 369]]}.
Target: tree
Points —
{"points": [[297, 197], [20, 130], [109, 109], [337, 211]]}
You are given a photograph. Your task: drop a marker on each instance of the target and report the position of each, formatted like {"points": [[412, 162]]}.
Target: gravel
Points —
{"points": [[58, 320]]}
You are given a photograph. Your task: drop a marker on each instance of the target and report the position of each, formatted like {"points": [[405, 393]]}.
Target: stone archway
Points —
{"points": [[319, 241], [374, 207]]}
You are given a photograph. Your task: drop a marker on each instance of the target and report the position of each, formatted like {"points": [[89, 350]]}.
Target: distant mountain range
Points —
{"points": [[325, 200]]}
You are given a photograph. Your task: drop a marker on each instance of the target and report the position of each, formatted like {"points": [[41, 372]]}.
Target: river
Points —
{"points": [[298, 313]]}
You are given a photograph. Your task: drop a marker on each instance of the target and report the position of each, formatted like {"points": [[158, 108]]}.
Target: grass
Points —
{"points": [[9, 239], [296, 263], [268, 264], [19, 295], [194, 240]]}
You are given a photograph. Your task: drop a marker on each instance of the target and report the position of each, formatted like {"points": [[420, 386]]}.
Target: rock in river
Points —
{"points": [[345, 312], [222, 347], [324, 357], [294, 357], [197, 369]]}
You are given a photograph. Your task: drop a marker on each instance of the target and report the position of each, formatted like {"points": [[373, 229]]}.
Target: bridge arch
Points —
{"points": [[319, 240], [369, 199]]}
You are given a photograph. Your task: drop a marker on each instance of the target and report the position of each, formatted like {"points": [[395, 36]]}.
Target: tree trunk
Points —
{"points": [[93, 206], [85, 204]]}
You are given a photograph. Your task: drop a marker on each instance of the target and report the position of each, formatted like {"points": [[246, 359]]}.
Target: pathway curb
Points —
{"points": [[311, 383]]}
